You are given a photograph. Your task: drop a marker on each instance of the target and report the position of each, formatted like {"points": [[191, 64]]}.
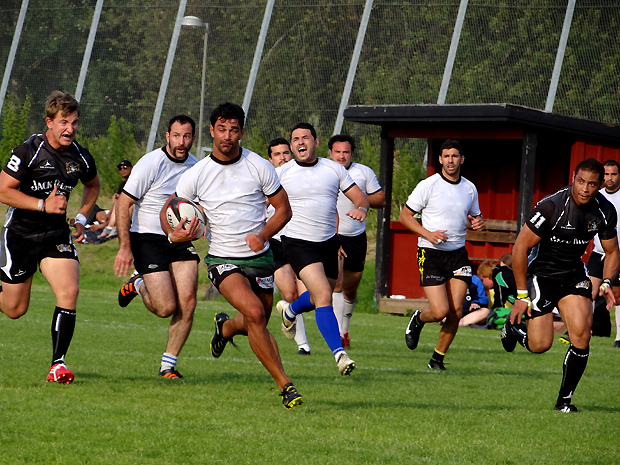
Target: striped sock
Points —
{"points": [[301, 305], [168, 361]]}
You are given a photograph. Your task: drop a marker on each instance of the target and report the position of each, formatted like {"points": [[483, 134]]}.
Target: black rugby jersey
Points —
{"points": [[38, 167], [565, 229]]}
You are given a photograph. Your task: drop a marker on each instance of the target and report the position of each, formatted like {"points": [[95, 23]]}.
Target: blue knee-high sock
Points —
{"points": [[302, 304], [328, 325]]}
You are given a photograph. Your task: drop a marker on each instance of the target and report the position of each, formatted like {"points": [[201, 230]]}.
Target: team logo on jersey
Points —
{"points": [[265, 283], [463, 271], [593, 225], [72, 167], [46, 166], [585, 284], [64, 247]]}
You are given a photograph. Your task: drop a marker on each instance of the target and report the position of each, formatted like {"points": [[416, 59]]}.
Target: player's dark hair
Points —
{"points": [[305, 126], [612, 163], [592, 165], [62, 102], [275, 142], [341, 138], [182, 119], [450, 144], [228, 111]]}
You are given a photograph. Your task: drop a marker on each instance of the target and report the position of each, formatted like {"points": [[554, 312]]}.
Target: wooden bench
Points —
{"points": [[502, 231]]}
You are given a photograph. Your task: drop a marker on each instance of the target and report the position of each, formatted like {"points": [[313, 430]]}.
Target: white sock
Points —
{"points": [[348, 313], [138, 284], [338, 304], [617, 323], [300, 335], [168, 361]]}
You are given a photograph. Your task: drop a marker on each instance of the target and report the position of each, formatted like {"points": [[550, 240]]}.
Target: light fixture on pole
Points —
{"points": [[197, 22]]}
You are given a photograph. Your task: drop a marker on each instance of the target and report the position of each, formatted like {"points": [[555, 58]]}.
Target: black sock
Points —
{"points": [[574, 365], [63, 325], [437, 356]]}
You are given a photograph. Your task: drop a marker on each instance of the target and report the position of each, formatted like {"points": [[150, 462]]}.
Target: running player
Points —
{"points": [[36, 184], [351, 233], [166, 267], [558, 232], [233, 185], [446, 201], [310, 241], [279, 152]]}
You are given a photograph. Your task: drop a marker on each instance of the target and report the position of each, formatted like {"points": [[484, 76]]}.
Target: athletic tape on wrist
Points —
{"points": [[81, 219]]}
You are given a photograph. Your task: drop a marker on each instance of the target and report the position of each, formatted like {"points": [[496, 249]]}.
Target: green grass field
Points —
{"points": [[490, 407]]}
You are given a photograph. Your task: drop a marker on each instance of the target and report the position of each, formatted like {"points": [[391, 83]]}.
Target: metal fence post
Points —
{"points": [[355, 58], [11, 59], [559, 58], [454, 45], [258, 53], [166, 76], [89, 49]]}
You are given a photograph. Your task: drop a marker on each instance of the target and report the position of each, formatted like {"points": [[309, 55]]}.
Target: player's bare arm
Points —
{"points": [[283, 215], [610, 270], [12, 196], [89, 198], [376, 200], [124, 259], [179, 234], [525, 241], [359, 199], [407, 219]]}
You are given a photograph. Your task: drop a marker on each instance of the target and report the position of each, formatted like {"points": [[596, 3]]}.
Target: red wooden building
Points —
{"points": [[514, 155]]}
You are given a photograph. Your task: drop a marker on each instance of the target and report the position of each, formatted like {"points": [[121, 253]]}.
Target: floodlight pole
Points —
{"points": [[197, 22], [166, 76]]}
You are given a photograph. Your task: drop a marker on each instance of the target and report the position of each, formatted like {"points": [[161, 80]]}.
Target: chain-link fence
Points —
{"points": [[506, 53]]}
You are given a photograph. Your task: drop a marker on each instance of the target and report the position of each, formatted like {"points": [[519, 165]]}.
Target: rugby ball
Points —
{"points": [[180, 208]]}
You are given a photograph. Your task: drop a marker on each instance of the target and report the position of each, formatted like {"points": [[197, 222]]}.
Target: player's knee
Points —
{"points": [[287, 295], [255, 317], [539, 347], [15, 312], [165, 310]]}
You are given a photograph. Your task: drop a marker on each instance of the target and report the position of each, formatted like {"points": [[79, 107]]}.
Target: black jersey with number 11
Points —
{"points": [[565, 229]]}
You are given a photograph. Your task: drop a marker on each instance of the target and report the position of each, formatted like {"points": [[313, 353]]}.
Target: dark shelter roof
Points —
{"points": [[394, 116]]}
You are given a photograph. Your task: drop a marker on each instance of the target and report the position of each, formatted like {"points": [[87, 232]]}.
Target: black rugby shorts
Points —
{"points": [[437, 266]]}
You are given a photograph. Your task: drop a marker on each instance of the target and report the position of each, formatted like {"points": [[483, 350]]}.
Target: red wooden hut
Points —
{"points": [[514, 155]]}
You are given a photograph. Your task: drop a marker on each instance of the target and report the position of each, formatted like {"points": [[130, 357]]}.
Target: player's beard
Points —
{"points": [[175, 153]]}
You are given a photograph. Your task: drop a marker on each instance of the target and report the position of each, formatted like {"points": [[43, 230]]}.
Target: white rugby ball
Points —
{"points": [[180, 208]]}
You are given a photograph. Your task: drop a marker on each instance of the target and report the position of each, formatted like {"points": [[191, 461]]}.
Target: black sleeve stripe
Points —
{"points": [[347, 189], [279, 189], [131, 196]]}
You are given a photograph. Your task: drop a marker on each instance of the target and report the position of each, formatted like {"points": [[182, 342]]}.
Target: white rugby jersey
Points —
{"points": [[153, 179], [444, 206], [234, 197], [366, 180], [615, 201], [313, 192]]}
